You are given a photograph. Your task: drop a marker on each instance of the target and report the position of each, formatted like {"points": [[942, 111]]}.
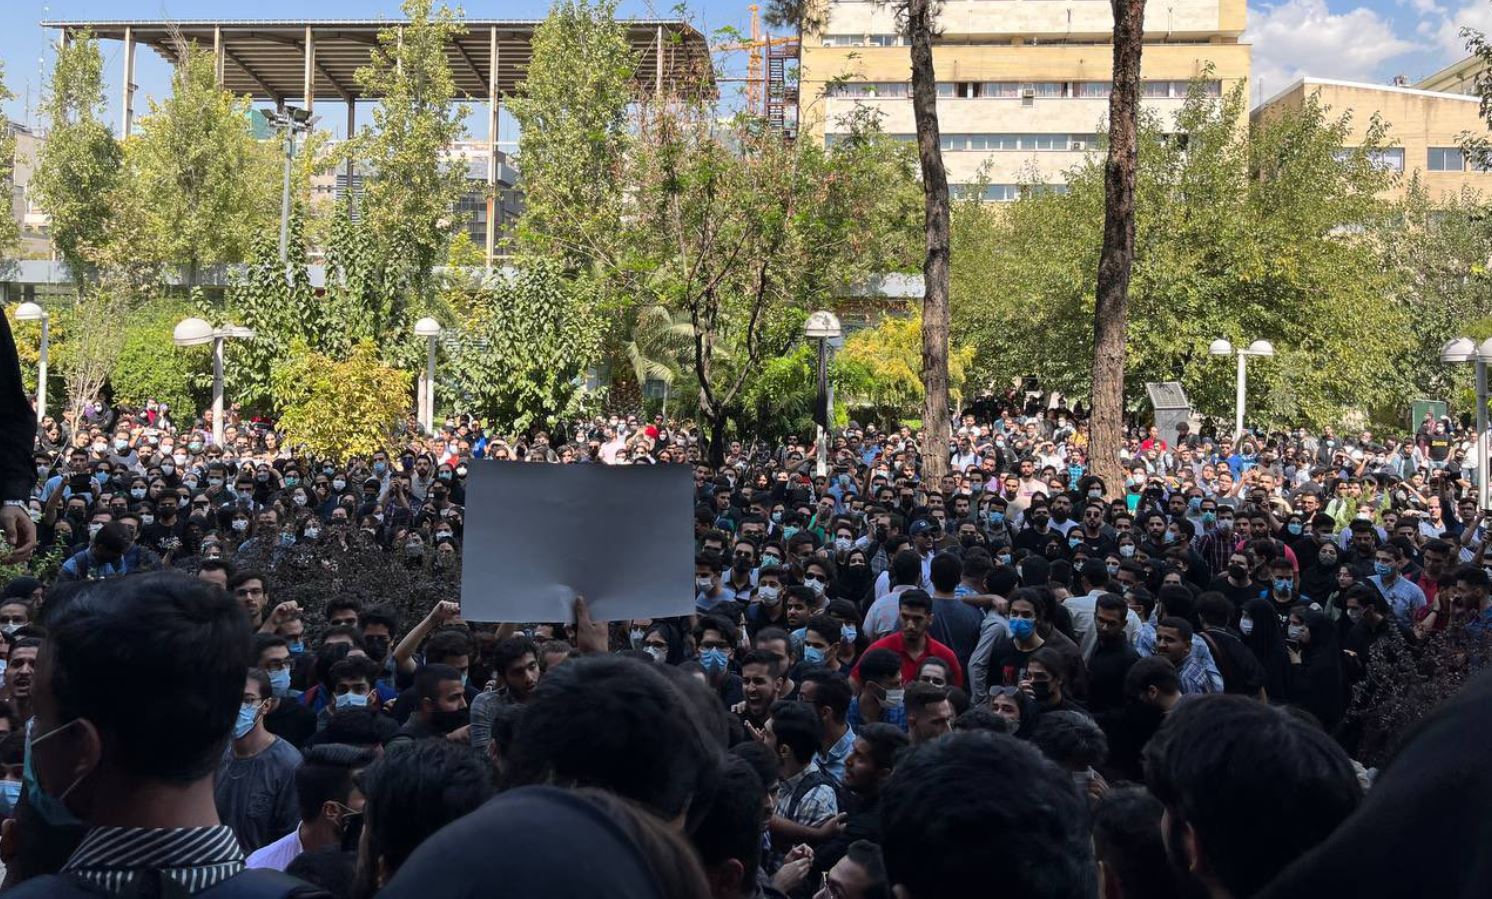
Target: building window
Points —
{"points": [[1093, 89], [1389, 160], [870, 90], [1002, 89], [1446, 159]]}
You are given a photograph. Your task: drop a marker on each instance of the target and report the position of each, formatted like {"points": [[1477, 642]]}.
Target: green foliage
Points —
{"points": [[337, 409], [572, 116], [9, 228], [521, 359], [78, 171], [150, 366], [198, 186], [1264, 235], [881, 367], [363, 300], [280, 309], [409, 198]]}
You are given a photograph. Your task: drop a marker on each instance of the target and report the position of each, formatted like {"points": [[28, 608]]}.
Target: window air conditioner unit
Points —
{"points": [[1028, 95]]}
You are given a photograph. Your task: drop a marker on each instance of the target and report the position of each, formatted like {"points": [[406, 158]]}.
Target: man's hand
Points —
{"points": [[20, 532], [284, 612], [832, 827], [461, 734], [445, 611], [794, 869], [590, 636]]}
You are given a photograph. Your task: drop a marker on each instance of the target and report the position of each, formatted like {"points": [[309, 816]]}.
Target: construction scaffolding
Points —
{"points": [[771, 86]]}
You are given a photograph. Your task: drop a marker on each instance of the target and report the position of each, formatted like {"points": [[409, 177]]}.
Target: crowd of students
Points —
{"points": [[1010, 679]]}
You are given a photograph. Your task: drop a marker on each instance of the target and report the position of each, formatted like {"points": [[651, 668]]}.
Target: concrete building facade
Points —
{"points": [[1424, 129], [1023, 85]]}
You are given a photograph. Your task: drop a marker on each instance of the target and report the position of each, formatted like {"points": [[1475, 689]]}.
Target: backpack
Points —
{"points": [[250, 883], [818, 777]]}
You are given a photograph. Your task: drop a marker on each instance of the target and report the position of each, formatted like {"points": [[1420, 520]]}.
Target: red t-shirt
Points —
{"points": [[909, 665]]}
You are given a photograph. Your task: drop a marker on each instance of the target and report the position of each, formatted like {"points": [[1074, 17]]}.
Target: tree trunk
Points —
{"points": [[1111, 309], [935, 425]]}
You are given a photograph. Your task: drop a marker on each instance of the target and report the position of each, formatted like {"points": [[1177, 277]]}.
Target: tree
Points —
{"points": [[522, 359], [9, 229], [572, 116], [149, 366], [1111, 312], [409, 200], [337, 409], [280, 310], [1267, 234], [881, 367], [78, 171]]}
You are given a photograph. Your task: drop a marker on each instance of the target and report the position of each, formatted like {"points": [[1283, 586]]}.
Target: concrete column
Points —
{"points": [[351, 132], [310, 75], [127, 111], [658, 76], [494, 205], [218, 57]]}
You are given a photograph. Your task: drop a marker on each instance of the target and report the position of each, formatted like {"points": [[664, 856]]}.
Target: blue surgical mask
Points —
{"points": [[1295, 528], [49, 808], [1209, 517], [279, 682], [996, 517], [1283, 585], [1022, 628], [813, 655], [296, 647], [380, 467], [713, 660], [352, 700], [248, 716], [1383, 569], [10, 795], [1194, 503], [848, 633], [1005, 559], [1074, 542]]}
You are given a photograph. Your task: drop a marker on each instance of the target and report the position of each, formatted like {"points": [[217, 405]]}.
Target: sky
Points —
{"points": [[1360, 41]]}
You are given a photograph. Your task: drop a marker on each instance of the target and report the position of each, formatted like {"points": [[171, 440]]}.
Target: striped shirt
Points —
{"points": [[118, 859]]}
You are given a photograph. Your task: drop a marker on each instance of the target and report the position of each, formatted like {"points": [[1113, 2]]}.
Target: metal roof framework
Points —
{"points": [[317, 59], [275, 59]]}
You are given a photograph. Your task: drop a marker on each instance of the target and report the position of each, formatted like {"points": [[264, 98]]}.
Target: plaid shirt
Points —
{"points": [[817, 806]]}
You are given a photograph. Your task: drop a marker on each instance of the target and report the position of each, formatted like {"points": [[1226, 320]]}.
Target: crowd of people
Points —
{"points": [[1012, 679]]}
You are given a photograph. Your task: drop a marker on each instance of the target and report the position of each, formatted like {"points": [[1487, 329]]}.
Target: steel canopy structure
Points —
{"points": [[308, 60]]}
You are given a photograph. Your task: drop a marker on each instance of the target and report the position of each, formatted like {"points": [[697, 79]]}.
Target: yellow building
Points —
{"points": [[1424, 128], [1022, 84]]}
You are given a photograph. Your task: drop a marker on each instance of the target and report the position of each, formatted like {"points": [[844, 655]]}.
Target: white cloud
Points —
{"points": [[1303, 37], [1475, 14]]}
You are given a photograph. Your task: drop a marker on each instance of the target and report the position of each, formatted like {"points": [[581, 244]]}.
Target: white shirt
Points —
{"points": [[278, 855]]}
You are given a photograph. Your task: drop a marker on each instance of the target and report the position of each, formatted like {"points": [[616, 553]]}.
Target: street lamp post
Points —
{"points": [[195, 332], [429, 329], [1464, 349], [823, 327], [1222, 347], [31, 312], [290, 119]]}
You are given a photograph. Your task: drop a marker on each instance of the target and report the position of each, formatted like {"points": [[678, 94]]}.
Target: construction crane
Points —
{"points": [[767, 90]]}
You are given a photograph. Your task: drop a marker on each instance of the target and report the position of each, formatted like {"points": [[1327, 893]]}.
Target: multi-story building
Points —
{"points": [[1424, 128], [1023, 85], [33, 222]]}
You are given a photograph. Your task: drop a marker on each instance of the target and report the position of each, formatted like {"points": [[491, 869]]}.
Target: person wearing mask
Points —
{"points": [[255, 792], [1260, 631], [408, 796], [716, 639], [1240, 670], [1318, 681], [957, 808], [1237, 581], [1404, 596], [1228, 768], [880, 697], [912, 643], [330, 805], [148, 801], [442, 711]]}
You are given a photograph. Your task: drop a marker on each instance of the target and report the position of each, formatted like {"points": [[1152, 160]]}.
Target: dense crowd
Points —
{"points": [[1010, 679]]}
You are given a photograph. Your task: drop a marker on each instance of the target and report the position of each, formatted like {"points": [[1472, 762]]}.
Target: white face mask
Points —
{"points": [[1246, 626], [147, 519], [658, 653], [768, 595]]}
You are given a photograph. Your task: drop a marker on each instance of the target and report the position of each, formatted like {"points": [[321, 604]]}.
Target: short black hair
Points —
{"points": [[944, 571], [1127, 841], [417, 790], [222, 565], [1071, 739], [732, 827], [978, 718], [964, 805], [263, 641], [827, 627], [616, 724], [886, 741], [427, 682], [1151, 671], [720, 625], [920, 695], [906, 568], [914, 599], [363, 727], [446, 644], [879, 663], [325, 775], [340, 604], [832, 690], [1214, 609], [246, 575], [763, 657], [383, 615], [188, 640], [796, 726], [1232, 768]]}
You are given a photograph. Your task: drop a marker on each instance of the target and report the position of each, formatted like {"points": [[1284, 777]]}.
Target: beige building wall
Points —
{"points": [[1424, 129], [1023, 83], [1456, 78]]}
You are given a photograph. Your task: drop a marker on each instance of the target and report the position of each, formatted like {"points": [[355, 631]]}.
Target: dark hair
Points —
{"points": [[720, 625], [868, 856], [616, 724], [732, 827], [1182, 627], [797, 726], [914, 599], [906, 568], [180, 635], [416, 791], [264, 641], [222, 565], [831, 690], [331, 869], [979, 718], [325, 775], [886, 742], [1214, 609], [356, 727], [763, 761], [828, 628], [967, 804], [879, 663], [945, 571], [511, 649], [1112, 602], [353, 668], [378, 615], [1071, 739], [446, 644], [261, 680], [1178, 601], [342, 603], [1094, 573], [427, 682], [1151, 671], [1127, 841], [1233, 768], [763, 657], [246, 575], [920, 695]]}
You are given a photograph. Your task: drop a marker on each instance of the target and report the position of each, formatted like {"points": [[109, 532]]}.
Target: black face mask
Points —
{"points": [[1039, 520], [447, 720], [1237, 572], [377, 647], [1041, 691]]}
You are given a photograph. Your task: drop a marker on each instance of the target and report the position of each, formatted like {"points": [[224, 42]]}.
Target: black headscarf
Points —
{"points": [[1267, 642], [1320, 683], [1434, 793]]}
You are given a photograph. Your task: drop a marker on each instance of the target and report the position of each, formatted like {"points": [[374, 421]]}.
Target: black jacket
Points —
{"points": [[17, 423]]}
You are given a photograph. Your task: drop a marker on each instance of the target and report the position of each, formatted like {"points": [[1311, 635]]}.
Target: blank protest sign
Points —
{"points": [[537, 535]]}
